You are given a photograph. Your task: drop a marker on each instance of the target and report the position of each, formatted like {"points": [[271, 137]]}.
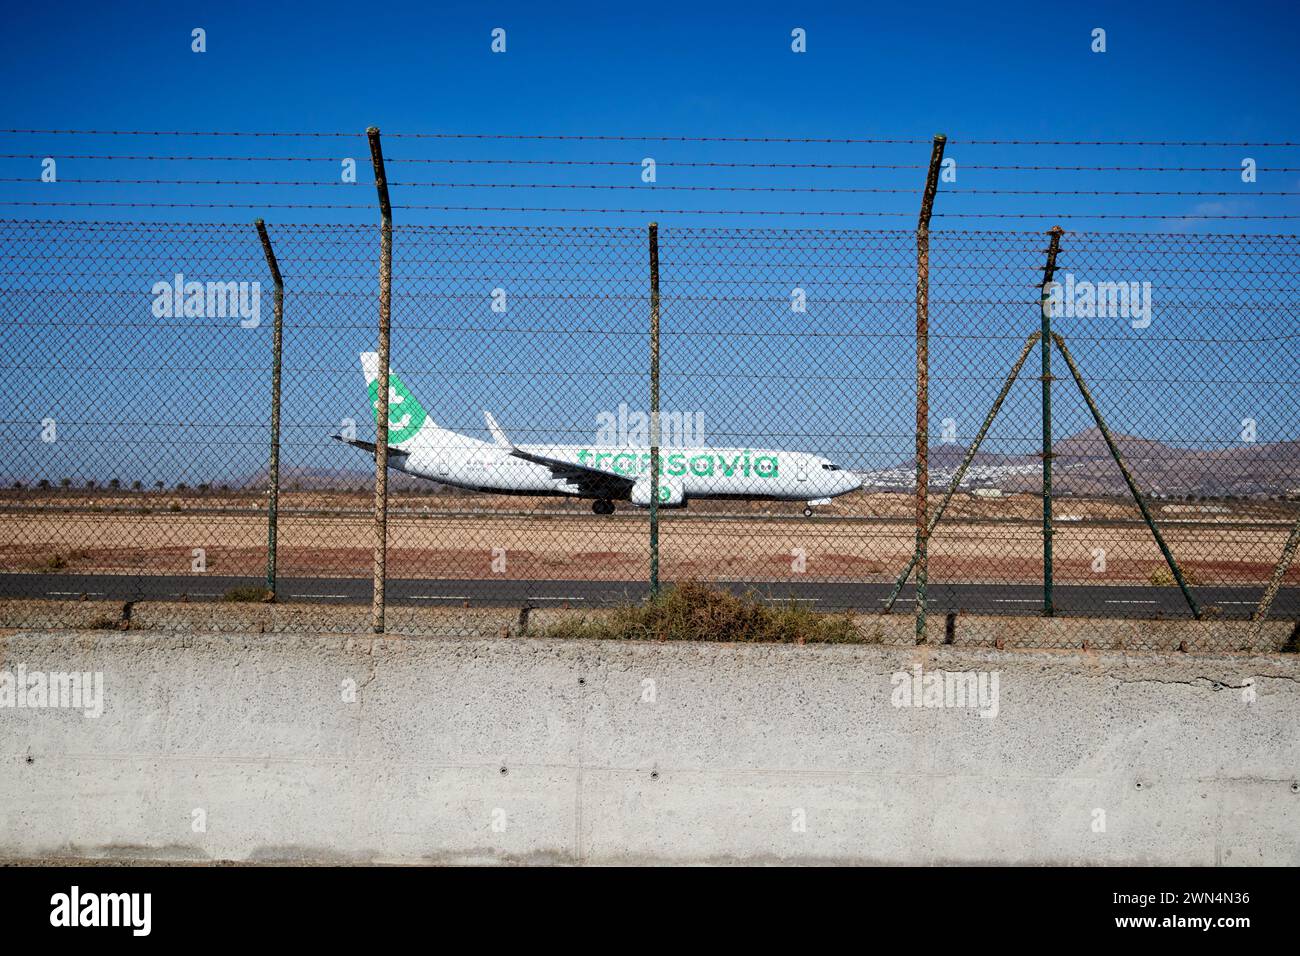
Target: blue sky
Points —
{"points": [[1172, 71]]}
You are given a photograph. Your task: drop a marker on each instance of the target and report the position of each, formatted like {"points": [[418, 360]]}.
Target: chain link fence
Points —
{"points": [[137, 406], [1186, 345]]}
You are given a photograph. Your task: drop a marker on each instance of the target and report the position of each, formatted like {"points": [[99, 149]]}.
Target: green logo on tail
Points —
{"points": [[405, 413]]}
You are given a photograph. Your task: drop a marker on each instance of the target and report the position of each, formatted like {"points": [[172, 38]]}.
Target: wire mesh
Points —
{"points": [[136, 415], [796, 347], [133, 430], [1184, 342]]}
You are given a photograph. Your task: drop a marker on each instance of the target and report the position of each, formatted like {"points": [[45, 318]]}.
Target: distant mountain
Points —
{"points": [[948, 457], [1267, 469], [1083, 466]]}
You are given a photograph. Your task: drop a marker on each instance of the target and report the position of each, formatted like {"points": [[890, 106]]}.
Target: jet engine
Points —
{"points": [[671, 493]]}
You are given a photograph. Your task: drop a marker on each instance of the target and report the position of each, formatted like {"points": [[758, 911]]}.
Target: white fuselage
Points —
{"points": [[699, 472]]}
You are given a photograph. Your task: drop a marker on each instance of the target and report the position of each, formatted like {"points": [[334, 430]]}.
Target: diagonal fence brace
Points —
{"points": [[1128, 476], [966, 461]]}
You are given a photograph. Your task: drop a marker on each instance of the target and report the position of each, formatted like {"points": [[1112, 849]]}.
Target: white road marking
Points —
{"points": [[1017, 600], [1108, 601], [534, 597], [440, 597], [77, 593], [319, 595]]}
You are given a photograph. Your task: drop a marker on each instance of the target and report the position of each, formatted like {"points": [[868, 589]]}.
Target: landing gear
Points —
{"points": [[808, 509], [602, 506]]}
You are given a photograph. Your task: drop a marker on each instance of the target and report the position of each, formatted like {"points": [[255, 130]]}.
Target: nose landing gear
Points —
{"points": [[602, 506], [807, 511]]}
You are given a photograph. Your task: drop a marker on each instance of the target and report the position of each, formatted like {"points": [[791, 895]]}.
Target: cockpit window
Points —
{"points": [[829, 467]]}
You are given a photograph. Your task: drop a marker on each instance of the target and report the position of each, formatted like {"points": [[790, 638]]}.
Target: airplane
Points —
{"points": [[603, 473]]}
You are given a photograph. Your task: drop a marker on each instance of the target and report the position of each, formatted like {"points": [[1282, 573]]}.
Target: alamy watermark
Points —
{"points": [[628, 427], [1101, 300], [133, 911], [178, 299], [21, 689], [973, 689]]}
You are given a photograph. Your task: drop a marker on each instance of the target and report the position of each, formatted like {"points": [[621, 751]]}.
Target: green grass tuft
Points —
{"points": [[694, 612]]}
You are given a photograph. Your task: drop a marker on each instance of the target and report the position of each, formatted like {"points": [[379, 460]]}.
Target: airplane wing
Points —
{"points": [[591, 482]]}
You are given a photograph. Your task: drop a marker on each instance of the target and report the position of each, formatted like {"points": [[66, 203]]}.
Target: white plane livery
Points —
{"points": [[603, 473]]}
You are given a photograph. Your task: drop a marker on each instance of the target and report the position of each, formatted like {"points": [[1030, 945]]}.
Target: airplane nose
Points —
{"points": [[851, 481]]}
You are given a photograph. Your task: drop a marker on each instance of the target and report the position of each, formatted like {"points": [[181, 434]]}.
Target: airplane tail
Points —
{"points": [[407, 418]]}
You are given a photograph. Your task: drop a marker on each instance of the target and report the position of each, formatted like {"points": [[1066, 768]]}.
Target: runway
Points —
{"points": [[1136, 601]]}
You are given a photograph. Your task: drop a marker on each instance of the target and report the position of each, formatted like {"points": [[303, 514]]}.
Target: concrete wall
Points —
{"points": [[523, 750]]}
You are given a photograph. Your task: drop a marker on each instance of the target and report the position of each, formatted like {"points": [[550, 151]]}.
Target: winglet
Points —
{"points": [[497, 434]]}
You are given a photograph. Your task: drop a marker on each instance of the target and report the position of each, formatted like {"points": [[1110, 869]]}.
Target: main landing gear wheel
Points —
{"points": [[602, 506], [807, 511]]}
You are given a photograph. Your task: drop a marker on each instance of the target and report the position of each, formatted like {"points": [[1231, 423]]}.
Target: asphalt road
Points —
{"points": [[1283, 523], [1135, 601]]}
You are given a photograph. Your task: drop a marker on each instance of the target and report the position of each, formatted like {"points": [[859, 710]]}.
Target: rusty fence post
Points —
{"points": [[923, 381], [381, 395], [1045, 311], [654, 410], [273, 492]]}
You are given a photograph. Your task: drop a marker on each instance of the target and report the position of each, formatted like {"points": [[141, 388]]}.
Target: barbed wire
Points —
{"points": [[656, 137], [692, 164], [675, 187], [128, 198], [600, 237], [1183, 217]]}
